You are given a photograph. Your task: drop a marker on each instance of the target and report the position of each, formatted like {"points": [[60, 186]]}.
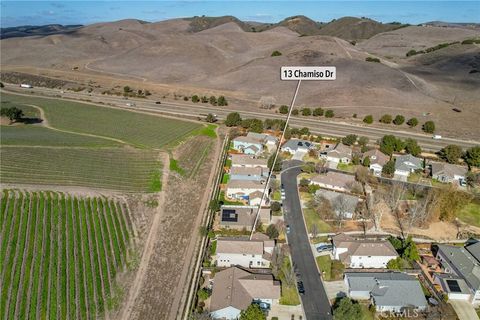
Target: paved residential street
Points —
{"points": [[315, 300], [464, 310]]}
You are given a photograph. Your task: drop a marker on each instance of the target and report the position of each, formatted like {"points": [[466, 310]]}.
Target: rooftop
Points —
{"points": [[294, 144], [376, 157], [334, 179], [340, 151], [407, 162], [362, 247], [243, 245], [243, 159], [247, 171], [464, 262], [245, 184], [448, 169]]}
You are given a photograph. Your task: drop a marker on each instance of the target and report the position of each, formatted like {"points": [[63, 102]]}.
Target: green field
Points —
{"points": [[59, 254], [138, 129], [471, 214], [34, 135], [122, 169]]}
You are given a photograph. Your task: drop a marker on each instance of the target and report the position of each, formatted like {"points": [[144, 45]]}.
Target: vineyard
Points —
{"points": [[59, 254], [120, 169]]}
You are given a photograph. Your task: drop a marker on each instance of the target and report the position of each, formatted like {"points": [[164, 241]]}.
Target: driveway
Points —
{"points": [[464, 310], [299, 155], [315, 301], [335, 289]]}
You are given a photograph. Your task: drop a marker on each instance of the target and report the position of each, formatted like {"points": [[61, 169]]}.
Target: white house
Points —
{"points": [[340, 154], [334, 180], [248, 173], [388, 291], [241, 189], [234, 289], [243, 252], [270, 142], [294, 145], [247, 145], [247, 161], [406, 164], [377, 160], [255, 199], [362, 253]]}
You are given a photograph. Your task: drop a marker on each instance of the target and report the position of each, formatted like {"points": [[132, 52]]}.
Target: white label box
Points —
{"points": [[308, 73]]}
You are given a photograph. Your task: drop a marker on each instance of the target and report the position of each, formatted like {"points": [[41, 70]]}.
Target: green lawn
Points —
{"points": [[289, 293], [346, 167], [122, 169], [36, 135], [331, 269], [225, 178], [277, 196], [140, 130], [174, 166], [471, 214], [312, 218], [221, 197]]}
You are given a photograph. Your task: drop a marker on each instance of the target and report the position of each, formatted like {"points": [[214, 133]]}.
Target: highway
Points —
{"points": [[315, 301], [181, 109]]}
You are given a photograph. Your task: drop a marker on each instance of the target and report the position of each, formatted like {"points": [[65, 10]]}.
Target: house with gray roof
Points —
{"points": [[234, 289], [242, 217], [448, 173], [248, 173], [344, 205], [294, 145], [461, 263], [248, 161], [334, 180], [454, 287], [377, 160], [340, 154], [269, 141], [406, 164], [247, 145], [388, 291], [244, 252]]}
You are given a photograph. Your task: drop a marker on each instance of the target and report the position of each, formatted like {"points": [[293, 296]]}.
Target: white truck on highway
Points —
{"points": [[26, 85], [437, 137]]}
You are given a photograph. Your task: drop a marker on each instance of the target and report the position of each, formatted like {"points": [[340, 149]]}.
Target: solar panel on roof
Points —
{"points": [[453, 286], [229, 215]]}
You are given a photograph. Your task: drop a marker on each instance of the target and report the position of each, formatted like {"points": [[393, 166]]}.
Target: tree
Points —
{"points": [[306, 112], [222, 101], [450, 153], [346, 309], [386, 118], [204, 99], [366, 162], [2, 85], [255, 125], [278, 163], [329, 114], [429, 127], [355, 159], [12, 113], [253, 312], [363, 141], [340, 206], [233, 119], [195, 98], [275, 206], [277, 260], [210, 118], [213, 100], [304, 131], [203, 294], [317, 112], [349, 139], [472, 156], [368, 119], [399, 119], [295, 112], [412, 147], [389, 144], [214, 205], [272, 231], [412, 122], [389, 168], [127, 89], [283, 109]]}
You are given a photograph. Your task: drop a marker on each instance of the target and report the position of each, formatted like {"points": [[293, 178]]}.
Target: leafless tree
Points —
{"points": [[289, 275], [321, 206], [277, 260], [280, 225], [314, 230], [267, 102], [392, 197], [340, 206]]}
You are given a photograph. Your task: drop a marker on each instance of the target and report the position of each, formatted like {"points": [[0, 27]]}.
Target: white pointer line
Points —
{"points": [[275, 159]]}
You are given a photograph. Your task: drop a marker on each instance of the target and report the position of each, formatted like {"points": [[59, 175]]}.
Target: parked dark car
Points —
{"points": [[158, 102], [301, 288]]}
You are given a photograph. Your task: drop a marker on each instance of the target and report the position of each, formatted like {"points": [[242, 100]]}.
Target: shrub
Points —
{"points": [[386, 118], [329, 114], [372, 59], [429, 127], [412, 122], [233, 119], [412, 147], [203, 294], [213, 101], [368, 119], [389, 168], [306, 112], [349, 139], [272, 231], [185, 98], [295, 112], [399, 119], [450, 153], [317, 112], [222, 101], [276, 53], [283, 109]]}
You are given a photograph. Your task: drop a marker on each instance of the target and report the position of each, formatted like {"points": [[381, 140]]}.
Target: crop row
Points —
{"points": [[59, 254]]}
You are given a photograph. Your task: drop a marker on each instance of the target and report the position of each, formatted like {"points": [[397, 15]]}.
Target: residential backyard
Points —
{"points": [[331, 269], [471, 214], [312, 218]]}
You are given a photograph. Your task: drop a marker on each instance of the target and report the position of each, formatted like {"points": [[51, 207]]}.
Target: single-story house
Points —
{"points": [[247, 161], [340, 154], [454, 287], [255, 199], [388, 291], [234, 289], [267, 140], [343, 204], [362, 253], [242, 217], [462, 263], [241, 189], [377, 160], [294, 145], [244, 252], [406, 164], [334, 180], [248, 145], [248, 173], [448, 173]]}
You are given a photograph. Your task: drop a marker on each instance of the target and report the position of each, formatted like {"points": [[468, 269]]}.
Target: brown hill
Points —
{"points": [[350, 28]]}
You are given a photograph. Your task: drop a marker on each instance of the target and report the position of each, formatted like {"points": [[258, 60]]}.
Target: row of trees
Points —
{"points": [[316, 112], [390, 143], [129, 92], [453, 153], [214, 101], [428, 127]]}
